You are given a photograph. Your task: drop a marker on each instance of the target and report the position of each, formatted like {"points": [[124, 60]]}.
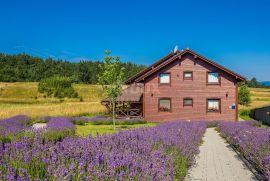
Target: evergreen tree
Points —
{"points": [[26, 68]]}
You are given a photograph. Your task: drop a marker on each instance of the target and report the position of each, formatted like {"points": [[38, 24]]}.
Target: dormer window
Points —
{"points": [[164, 78]]}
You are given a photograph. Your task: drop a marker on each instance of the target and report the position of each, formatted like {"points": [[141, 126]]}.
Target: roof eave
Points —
{"points": [[154, 65]]}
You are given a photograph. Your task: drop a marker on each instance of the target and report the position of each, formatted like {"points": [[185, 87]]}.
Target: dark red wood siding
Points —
{"points": [[197, 89]]}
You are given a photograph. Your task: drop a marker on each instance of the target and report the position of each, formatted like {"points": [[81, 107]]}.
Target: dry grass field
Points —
{"points": [[23, 98], [260, 97]]}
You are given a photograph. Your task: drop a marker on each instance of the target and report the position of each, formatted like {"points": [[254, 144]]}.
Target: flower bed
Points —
{"points": [[12, 126], [58, 128], [163, 152], [60, 123], [252, 142]]}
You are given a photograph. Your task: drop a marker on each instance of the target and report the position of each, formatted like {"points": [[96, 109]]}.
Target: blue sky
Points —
{"points": [[235, 34]]}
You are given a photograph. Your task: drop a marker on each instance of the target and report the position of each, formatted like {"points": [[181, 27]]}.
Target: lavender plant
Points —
{"points": [[252, 142], [58, 128], [12, 126], [163, 152]]}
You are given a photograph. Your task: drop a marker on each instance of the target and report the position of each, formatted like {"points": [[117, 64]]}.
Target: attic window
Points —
{"points": [[188, 75], [165, 78]]}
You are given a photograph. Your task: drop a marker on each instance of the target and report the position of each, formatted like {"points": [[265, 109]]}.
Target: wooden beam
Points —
{"points": [[236, 102], [195, 59], [179, 57]]}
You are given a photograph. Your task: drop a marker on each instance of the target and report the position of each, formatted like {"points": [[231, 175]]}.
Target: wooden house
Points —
{"points": [[181, 86]]}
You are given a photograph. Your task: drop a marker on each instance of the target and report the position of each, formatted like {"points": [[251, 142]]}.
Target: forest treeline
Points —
{"points": [[255, 84], [27, 68]]}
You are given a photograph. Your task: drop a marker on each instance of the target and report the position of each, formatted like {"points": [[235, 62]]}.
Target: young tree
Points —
{"points": [[111, 79], [244, 95]]}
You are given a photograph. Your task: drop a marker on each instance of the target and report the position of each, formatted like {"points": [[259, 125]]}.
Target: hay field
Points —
{"points": [[260, 97], [23, 98]]}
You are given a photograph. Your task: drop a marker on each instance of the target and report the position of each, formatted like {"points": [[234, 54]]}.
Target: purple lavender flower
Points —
{"points": [[139, 154], [14, 125], [60, 123], [252, 142]]}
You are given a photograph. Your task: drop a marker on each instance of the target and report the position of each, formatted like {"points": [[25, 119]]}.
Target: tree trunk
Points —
{"points": [[113, 107]]}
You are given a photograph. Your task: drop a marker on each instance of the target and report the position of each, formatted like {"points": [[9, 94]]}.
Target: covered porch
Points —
{"points": [[129, 105]]}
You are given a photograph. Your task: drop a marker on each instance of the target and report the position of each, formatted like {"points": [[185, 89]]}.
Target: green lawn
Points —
{"points": [[90, 129]]}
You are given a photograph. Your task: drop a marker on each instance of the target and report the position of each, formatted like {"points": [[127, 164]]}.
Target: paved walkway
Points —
{"points": [[218, 162]]}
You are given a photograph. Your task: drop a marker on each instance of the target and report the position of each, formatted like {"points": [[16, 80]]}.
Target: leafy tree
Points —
{"points": [[57, 86], [253, 83], [111, 79], [244, 95], [84, 72]]}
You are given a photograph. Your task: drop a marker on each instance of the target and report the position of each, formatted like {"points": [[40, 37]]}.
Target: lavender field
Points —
{"points": [[163, 152], [252, 142]]}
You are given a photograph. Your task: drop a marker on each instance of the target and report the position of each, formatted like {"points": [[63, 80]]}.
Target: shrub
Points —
{"points": [[52, 135], [212, 124], [81, 99], [14, 125], [246, 114], [6, 138], [244, 95], [28, 134], [57, 86], [58, 128]]}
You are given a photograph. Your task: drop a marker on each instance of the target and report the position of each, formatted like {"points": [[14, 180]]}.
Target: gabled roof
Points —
{"points": [[172, 57]]}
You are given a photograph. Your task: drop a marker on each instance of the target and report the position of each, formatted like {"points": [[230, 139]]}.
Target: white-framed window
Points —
{"points": [[164, 105], [213, 105], [188, 75], [213, 78], [165, 78], [188, 102]]}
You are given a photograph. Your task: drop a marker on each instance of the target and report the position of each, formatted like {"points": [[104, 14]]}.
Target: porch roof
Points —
{"points": [[133, 93]]}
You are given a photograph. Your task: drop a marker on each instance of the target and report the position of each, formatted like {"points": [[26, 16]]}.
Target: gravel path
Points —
{"points": [[217, 161], [39, 126]]}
